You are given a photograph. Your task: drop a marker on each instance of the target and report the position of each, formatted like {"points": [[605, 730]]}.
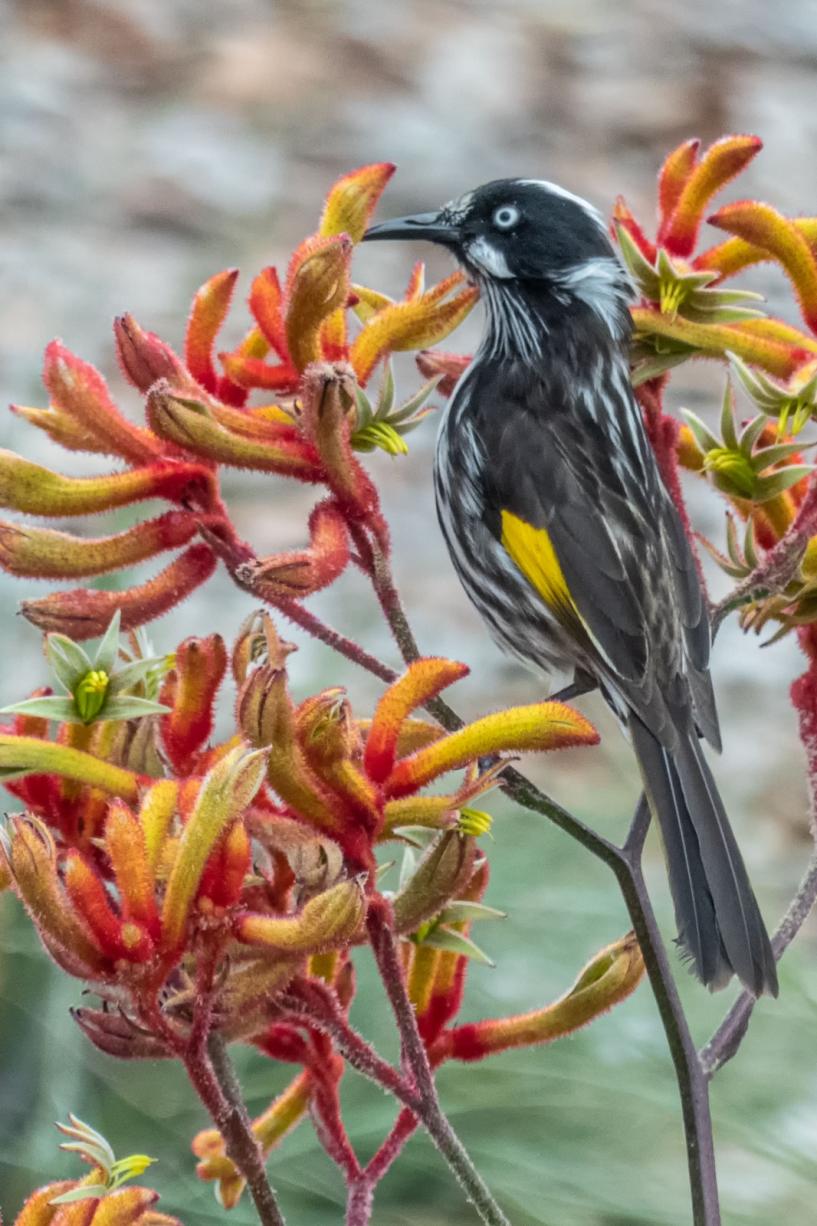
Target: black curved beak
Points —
{"points": [[428, 226]]}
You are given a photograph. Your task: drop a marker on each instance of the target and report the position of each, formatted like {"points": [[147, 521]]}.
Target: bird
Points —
{"points": [[566, 539]]}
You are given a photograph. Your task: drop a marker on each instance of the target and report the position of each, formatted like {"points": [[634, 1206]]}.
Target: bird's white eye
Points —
{"points": [[506, 217]]}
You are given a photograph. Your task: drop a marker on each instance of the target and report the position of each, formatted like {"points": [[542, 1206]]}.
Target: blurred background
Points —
{"points": [[145, 144]]}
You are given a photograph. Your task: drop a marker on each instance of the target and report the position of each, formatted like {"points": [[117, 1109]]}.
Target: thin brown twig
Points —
{"points": [[379, 922], [213, 1077]]}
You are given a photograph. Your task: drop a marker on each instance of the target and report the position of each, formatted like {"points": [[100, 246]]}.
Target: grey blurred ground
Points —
{"points": [[145, 145]]}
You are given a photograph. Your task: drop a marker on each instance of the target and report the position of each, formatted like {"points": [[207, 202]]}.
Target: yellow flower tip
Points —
{"points": [[90, 693], [332, 917], [475, 822], [538, 727]]}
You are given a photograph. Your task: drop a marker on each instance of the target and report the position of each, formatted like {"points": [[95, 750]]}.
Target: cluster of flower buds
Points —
{"points": [[99, 1198], [145, 854], [315, 341]]}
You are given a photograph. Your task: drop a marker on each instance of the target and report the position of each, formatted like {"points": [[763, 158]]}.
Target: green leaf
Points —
{"points": [[461, 911], [455, 943], [108, 649], [414, 403], [638, 265], [751, 433], [133, 674], [777, 482], [94, 1192], [128, 706], [97, 1146], [385, 400], [657, 364], [365, 412], [407, 867], [764, 459], [50, 707], [67, 659], [703, 436], [727, 423]]}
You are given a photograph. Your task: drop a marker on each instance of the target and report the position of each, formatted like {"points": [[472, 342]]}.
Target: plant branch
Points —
{"points": [[730, 1034], [381, 935], [213, 1077]]}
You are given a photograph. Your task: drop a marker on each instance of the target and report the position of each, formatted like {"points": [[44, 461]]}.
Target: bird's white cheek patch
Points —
{"points": [[481, 253]]}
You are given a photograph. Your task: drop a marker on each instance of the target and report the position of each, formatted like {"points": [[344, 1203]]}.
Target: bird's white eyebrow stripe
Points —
{"points": [[555, 190]]}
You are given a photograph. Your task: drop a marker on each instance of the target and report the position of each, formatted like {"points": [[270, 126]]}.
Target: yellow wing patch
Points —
{"points": [[532, 551]]}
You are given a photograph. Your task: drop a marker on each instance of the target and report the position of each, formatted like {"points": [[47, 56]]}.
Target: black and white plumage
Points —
{"points": [[565, 538]]}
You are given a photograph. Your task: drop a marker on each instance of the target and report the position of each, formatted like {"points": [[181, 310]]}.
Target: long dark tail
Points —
{"points": [[719, 923]]}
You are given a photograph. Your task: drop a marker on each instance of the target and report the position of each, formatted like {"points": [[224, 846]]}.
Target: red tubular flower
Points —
{"points": [[144, 357], [44, 553], [299, 573], [127, 851], [190, 691], [36, 490], [85, 613], [210, 306], [118, 938], [80, 392], [423, 680], [689, 185], [762, 226]]}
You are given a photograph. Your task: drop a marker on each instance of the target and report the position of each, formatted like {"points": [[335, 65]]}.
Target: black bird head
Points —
{"points": [[529, 239]]}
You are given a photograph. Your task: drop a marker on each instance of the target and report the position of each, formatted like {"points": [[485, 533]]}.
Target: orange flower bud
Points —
{"points": [[85, 613], [623, 217], [225, 793], [610, 977], [280, 1118], [144, 358], [266, 717], [451, 366], [411, 325], [38, 1210], [353, 198], [64, 430], [721, 162], [31, 860], [720, 339], [423, 680], [248, 371], [209, 310], [540, 726], [120, 940], [38, 491], [330, 918], [299, 573], [266, 304], [127, 852], [190, 690], [317, 285], [155, 815], [674, 175], [45, 553], [764, 227], [328, 395], [79, 391], [189, 424]]}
